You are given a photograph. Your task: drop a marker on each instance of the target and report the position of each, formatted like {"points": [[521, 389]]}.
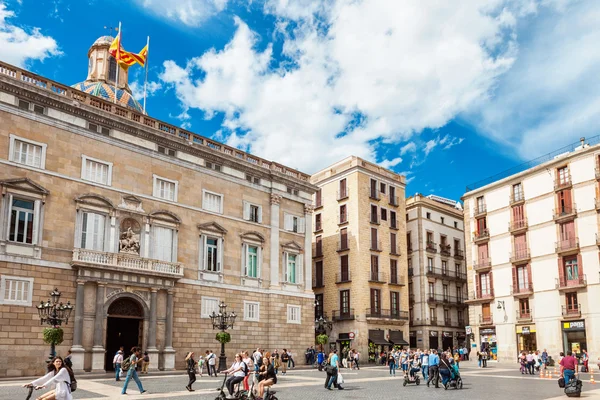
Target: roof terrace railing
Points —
{"points": [[116, 109]]}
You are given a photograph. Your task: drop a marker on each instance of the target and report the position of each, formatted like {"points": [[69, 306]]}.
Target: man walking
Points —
{"points": [[335, 361], [211, 362], [425, 364], [117, 361], [434, 363], [134, 359], [568, 367]]}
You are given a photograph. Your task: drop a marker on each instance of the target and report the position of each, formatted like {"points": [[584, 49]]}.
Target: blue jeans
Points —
{"points": [[425, 369], [333, 379], [568, 374], [392, 368], [132, 374], [445, 374], [117, 371]]}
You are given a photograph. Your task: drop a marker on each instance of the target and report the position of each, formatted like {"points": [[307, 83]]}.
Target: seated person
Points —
{"points": [[267, 377], [415, 366], [237, 371]]}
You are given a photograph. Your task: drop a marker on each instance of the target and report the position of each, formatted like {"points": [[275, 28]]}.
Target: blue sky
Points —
{"points": [[447, 93]]}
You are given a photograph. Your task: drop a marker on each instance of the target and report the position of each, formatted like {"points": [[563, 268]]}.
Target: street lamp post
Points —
{"points": [[223, 321], [54, 313]]}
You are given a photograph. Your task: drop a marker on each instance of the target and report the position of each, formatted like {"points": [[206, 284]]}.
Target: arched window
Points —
{"points": [[112, 69]]}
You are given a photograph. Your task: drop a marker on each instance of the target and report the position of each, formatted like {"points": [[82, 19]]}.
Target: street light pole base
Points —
{"points": [[222, 359]]}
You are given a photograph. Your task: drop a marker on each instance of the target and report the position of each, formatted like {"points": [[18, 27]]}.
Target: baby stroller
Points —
{"points": [[455, 379]]}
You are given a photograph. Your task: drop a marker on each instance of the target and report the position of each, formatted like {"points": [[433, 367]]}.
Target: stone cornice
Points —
{"points": [[71, 106]]}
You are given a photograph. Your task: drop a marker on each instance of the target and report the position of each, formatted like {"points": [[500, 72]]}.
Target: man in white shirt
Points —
{"points": [[257, 356], [117, 361], [211, 361]]}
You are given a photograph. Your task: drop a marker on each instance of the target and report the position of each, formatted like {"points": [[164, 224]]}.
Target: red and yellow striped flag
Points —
{"points": [[126, 58]]}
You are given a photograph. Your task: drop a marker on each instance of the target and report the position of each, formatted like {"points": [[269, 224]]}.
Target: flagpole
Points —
{"points": [[117, 60], [146, 79]]}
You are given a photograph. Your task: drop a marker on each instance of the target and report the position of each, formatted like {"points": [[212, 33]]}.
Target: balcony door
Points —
{"points": [[571, 270], [375, 301], [482, 253], [564, 201], [345, 302], [481, 225], [484, 284], [486, 313]]}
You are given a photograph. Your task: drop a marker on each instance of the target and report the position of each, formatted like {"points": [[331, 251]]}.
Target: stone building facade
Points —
{"points": [[437, 273], [358, 258], [145, 227], [532, 255]]}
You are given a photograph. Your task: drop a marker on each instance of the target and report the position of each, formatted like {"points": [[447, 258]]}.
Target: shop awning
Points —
{"points": [[377, 337], [397, 338]]}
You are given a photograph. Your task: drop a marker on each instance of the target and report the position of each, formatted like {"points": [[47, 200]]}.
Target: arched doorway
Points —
{"points": [[124, 327]]}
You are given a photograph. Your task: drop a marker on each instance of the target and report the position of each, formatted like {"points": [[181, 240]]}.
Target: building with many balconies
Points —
{"points": [[532, 255], [359, 266], [437, 273], [144, 226]]}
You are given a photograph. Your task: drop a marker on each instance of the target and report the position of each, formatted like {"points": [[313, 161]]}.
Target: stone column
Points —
{"points": [[98, 349], [152, 350], [308, 210], [77, 348], [274, 242], [169, 353]]}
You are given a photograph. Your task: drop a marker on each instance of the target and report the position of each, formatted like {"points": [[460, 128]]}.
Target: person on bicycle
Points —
{"points": [[414, 366], [60, 377]]}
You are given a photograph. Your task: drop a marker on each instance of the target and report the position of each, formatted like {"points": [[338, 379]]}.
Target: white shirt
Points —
{"points": [[59, 381], [257, 356], [237, 365], [425, 361], [118, 359], [211, 358]]}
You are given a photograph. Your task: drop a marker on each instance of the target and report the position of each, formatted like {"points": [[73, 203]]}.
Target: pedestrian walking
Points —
{"points": [[568, 367], [191, 369], [59, 377], [530, 363], [334, 364], [145, 363], [356, 359], [392, 364], [444, 369], [134, 359], [250, 365], [211, 361], [425, 365], [434, 362], [291, 362], [285, 358], [117, 361]]}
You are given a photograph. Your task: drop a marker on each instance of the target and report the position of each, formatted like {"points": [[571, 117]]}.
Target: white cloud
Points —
{"points": [[189, 12], [409, 147], [402, 66], [430, 145], [19, 46], [390, 163], [550, 96], [137, 89]]}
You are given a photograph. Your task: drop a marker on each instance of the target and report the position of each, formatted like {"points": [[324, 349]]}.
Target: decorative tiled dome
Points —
{"points": [[104, 40], [107, 92]]}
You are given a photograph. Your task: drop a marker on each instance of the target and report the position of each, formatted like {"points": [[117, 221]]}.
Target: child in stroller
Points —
{"points": [[455, 379]]}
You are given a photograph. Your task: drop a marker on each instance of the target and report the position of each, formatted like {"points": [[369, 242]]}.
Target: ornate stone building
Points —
{"points": [[145, 227]]}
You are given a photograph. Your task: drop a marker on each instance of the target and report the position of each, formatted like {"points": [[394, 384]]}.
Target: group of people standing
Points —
{"points": [[430, 363]]}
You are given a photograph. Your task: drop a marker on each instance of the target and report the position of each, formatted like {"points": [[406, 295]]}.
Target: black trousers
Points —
{"points": [[328, 377], [231, 382], [434, 375], [192, 376]]}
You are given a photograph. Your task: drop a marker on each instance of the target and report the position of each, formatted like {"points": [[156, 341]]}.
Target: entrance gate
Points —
{"points": [[124, 327]]}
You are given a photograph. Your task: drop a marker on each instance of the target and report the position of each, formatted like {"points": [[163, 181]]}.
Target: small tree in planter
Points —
{"points": [[53, 336], [322, 339]]}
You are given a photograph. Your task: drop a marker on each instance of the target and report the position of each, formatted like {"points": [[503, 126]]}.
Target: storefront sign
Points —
{"points": [[433, 333], [574, 326], [487, 331], [468, 329], [525, 330]]}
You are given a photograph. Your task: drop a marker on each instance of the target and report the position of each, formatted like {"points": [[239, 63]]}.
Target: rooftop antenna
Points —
{"points": [[111, 29]]}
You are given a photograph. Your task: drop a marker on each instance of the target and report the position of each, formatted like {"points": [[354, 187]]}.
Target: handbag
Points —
{"points": [[561, 382], [329, 368], [340, 378]]}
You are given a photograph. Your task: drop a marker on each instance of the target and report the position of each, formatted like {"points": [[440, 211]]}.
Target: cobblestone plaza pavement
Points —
{"points": [[496, 382]]}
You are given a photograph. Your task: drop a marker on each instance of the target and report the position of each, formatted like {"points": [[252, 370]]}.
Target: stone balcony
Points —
{"points": [[126, 262]]}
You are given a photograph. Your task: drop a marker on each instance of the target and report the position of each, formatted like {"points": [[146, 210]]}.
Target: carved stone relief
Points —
{"points": [[129, 241]]}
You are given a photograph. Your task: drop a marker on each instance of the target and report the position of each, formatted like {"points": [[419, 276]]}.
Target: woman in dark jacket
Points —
{"points": [[444, 369], [191, 369]]}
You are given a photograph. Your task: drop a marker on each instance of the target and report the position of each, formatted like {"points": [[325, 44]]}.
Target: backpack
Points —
{"points": [[126, 364], [73, 384], [245, 368]]}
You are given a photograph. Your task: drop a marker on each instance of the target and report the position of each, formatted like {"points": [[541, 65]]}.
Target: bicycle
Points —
{"points": [[30, 388]]}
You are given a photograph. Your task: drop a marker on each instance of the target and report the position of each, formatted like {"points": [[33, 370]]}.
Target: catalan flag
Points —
{"points": [[127, 58]]}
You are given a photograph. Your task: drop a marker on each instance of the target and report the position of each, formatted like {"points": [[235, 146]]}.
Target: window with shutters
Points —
{"points": [[344, 302], [319, 246], [318, 274], [375, 301], [522, 277], [251, 311], [394, 271], [16, 290], [22, 221], [96, 170], [209, 305], [517, 192], [291, 272], [432, 315], [92, 231], [459, 295], [343, 189], [571, 302], [252, 212], [318, 223], [444, 267], [431, 286], [563, 175], [446, 292], [382, 187], [429, 264], [164, 188], [112, 69], [393, 222], [343, 239], [27, 152], [162, 243], [212, 201], [374, 241], [383, 214], [395, 303], [343, 214], [484, 284], [344, 269], [252, 261], [293, 314], [294, 223], [409, 242], [318, 199], [524, 310], [571, 268], [374, 268], [319, 299], [393, 244]]}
